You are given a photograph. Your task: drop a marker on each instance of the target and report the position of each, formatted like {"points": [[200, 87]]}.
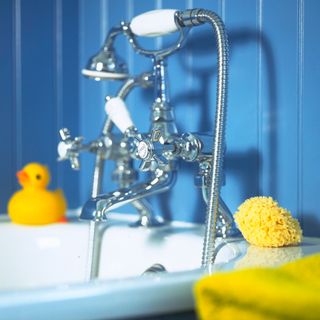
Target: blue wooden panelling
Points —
{"points": [[67, 87], [272, 126], [264, 134], [7, 121], [279, 108], [309, 127], [243, 154], [39, 87], [91, 93], [37, 114], [191, 100]]}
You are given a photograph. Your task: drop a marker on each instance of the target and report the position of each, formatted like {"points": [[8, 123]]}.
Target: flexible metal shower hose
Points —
{"points": [[206, 16]]}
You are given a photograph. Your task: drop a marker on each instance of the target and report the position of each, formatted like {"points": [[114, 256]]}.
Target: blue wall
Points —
{"points": [[39, 88], [272, 131]]}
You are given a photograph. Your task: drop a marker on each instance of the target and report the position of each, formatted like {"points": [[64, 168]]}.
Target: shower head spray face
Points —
{"points": [[106, 65]]}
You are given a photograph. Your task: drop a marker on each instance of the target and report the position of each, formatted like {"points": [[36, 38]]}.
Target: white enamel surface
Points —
{"points": [[42, 269], [118, 113], [154, 23], [132, 250], [56, 254], [41, 256]]}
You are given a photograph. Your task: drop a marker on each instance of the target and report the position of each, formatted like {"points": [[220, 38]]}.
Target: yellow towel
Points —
{"points": [[291, 291]]}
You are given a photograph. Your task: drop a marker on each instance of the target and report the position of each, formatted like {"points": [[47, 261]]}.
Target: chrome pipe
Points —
{"points": [[97, 208], [92, 271]]}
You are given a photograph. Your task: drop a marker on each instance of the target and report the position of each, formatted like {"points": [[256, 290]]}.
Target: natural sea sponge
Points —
{"points": [[265, 224]]}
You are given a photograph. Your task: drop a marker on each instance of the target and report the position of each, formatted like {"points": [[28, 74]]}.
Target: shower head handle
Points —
{"points": [[154, 23], [161, 22]]}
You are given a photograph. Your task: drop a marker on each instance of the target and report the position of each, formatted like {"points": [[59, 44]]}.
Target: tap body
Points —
{"points": [[108, 146], [160, 149], [97, 208], [162, 146], [162, 175]]}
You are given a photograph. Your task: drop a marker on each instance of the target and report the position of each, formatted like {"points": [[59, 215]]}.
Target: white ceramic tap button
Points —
{"points": [[143, 150]]}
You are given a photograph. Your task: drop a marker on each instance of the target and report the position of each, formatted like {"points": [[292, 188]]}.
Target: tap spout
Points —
{"points": [[97, 208]]}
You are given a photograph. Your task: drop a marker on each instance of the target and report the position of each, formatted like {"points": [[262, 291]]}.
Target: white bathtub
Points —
{"points": [[42, 269]]}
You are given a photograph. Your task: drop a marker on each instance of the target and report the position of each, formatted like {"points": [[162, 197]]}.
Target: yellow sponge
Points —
{"points": [[265, 224]]}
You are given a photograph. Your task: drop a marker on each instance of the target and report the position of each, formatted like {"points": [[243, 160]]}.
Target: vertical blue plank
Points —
{"points": [[7, 111], [67, 87], [242, 156], [38, 117], [310, 128], [279, 102], [91, 99]]}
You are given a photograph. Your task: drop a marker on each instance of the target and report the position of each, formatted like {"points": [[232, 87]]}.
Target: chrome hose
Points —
{"points": [[190, 18], [208, 253]]}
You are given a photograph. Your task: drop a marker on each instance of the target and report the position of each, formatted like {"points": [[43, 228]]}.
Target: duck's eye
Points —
{"points": [[38, 176]]}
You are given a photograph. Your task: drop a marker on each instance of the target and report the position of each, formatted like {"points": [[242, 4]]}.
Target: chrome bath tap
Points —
{"points": [[110, 147], [161, 148]]}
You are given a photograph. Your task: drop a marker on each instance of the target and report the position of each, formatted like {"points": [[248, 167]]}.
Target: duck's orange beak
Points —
{"points": [[22, 177]]}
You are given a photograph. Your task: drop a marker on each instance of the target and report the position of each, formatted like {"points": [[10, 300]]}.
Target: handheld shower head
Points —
{"points": [[106, 65]]}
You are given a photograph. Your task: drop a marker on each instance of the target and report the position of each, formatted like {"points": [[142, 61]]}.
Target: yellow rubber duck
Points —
{"points": [[34, 204]]}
